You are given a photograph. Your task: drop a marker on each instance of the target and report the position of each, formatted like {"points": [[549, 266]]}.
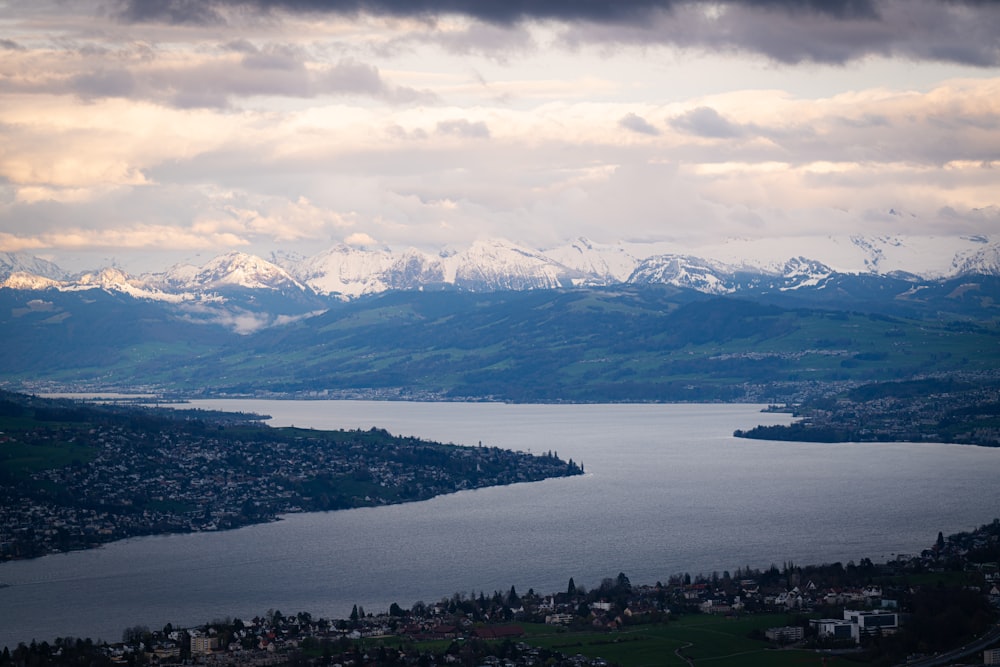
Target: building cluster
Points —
{"points": [[961, 409], [168, 476], [830, 606]]}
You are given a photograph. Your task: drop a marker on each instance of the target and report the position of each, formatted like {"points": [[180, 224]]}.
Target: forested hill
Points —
{"points": [[74, 475], [649, 343]]}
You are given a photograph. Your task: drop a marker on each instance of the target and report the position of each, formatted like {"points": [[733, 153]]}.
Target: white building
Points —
{"points": [[869, 622], [857, 624]]}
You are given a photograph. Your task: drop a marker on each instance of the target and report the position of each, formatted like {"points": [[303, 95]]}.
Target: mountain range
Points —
{"points": [[744, 320], [346, 272]]}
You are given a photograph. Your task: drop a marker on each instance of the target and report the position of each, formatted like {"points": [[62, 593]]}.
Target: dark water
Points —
{"points": [[667, 490]]}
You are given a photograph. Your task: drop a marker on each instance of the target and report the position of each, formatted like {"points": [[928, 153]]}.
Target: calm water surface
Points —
{"points": [[667, 490]]}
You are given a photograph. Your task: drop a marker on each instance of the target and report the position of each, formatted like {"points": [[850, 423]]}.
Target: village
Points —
{"points": [[126, 475], [854, 608]]}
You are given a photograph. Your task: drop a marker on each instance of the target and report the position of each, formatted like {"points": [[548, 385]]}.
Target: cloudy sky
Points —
{"points": [[144, 132]]}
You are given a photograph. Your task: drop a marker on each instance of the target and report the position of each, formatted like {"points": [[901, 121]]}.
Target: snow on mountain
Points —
{"points": [[23, 280], [932, 257], [800, 272], [345, 270], [484, 266], [727, 266], [234, 269], [414, 270], [499, 265], [598, 264], [685, 271], [19, 262], [116, 280], [984, 259]]}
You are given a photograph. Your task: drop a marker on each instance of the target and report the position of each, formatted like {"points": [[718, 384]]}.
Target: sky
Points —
{"points": [[142, 133]]}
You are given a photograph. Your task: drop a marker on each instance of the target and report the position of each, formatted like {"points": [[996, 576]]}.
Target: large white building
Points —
{"points": [[857, 624]]}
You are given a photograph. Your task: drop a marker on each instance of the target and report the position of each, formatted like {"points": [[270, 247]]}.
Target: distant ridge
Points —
{"points": [[728, 267]]}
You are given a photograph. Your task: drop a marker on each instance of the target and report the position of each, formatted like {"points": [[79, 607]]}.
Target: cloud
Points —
{"points": [[138, 236], [212, 77], [103, 83], [360, 239], [461, 127], [835, 33], [706, 122], [789, 31], [494, 11], [635, 123], [171, 11]]}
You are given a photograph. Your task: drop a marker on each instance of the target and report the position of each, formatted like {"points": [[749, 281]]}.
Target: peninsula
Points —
{"points": [[75, 475]]}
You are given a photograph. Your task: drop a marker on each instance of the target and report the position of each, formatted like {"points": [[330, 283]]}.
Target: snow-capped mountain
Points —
{"points": [[23, 280], [19, 262], [685, 271], [346, 272], [234, 269], [599, 264], [928, 257], [491, 265], [983, 260], [498, 265], [116, 280]]}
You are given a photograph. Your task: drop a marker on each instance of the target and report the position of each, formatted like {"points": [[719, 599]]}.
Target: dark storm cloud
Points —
{"points": [[172, 11], [494, 11], [10, 45], [788, 31]]}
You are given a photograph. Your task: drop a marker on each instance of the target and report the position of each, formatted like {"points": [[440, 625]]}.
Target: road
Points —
{"points": [[976, 646]]}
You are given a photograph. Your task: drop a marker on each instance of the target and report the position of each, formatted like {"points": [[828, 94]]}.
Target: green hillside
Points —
{"points": [[610, 344]]}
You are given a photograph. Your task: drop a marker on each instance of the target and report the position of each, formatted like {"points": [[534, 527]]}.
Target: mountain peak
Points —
{"points": [[234, 269]]}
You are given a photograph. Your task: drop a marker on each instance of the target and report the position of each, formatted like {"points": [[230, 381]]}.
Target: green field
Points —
{"points": [[711, 640]]}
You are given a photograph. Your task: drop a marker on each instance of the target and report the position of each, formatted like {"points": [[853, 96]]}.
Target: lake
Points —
{"points": [[667, 490]]}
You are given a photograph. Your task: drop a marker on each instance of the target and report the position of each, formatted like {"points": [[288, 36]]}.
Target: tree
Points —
{"points": [[571, 589]]}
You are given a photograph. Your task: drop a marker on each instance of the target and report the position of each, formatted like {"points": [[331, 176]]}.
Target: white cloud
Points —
{"points": [[282, 130]]}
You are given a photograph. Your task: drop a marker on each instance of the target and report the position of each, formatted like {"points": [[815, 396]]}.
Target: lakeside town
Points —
{"points": [[960, 408], [905, 610], [74, 476]]}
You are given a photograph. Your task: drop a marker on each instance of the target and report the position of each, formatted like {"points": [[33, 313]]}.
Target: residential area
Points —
{"points": [[903, 610], [74, 478]]}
